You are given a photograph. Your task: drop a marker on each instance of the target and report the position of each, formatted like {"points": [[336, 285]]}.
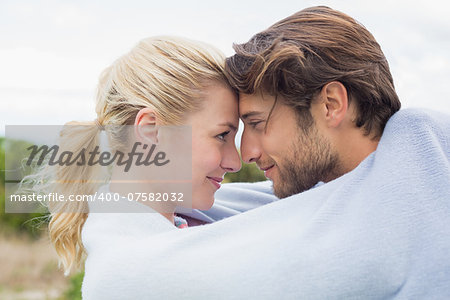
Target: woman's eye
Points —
{"points": [[222, 135]]}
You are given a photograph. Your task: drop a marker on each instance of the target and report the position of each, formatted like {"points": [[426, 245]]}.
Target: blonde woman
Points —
{"points": [[162, 81]]}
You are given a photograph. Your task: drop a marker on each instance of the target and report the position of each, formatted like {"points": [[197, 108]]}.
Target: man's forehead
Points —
{"points": [[254, 103], [255, 97]]}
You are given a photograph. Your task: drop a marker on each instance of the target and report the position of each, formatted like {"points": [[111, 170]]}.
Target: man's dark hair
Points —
{"points": [[297, 56]]}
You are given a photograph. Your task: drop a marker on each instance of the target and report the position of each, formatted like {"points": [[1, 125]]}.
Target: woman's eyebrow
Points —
{"points": [[229, 124]]}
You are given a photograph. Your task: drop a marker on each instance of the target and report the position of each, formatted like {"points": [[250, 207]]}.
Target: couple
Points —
{"points": [[364, 188]]}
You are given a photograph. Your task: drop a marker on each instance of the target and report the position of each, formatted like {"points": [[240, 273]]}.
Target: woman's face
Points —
{"points": [[213, 150]]}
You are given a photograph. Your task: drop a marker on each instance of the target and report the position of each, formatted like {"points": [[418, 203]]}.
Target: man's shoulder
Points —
{"points": [[419, 116], [417, 124]]}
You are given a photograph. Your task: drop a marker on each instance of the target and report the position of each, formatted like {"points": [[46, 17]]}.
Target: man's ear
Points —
{"points": [[146, 126], [335, 103]]}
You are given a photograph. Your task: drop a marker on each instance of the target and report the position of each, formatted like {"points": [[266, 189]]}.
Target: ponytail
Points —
{"points": [[67, 217]]}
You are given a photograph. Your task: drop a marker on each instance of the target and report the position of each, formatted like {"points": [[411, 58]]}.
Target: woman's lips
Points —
{"points": [[215, 181]]}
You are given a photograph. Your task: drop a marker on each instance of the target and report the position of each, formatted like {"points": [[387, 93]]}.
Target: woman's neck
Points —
{"points": [[169, 216]]}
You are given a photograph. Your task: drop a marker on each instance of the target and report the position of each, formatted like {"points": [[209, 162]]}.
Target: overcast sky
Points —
{"points": [[51, 52]]}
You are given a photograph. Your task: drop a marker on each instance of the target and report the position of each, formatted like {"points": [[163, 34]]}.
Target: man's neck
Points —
{"points": [[354, 148]]}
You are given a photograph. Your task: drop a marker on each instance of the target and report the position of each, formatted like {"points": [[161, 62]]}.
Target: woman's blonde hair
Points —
{"points": [[164, 73]]}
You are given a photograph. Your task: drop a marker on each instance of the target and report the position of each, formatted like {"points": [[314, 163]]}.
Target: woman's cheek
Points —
{"points": [[198, 150], [212, 161], [206, 155]]}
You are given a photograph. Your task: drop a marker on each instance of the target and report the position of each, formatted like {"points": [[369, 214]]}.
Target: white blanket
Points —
{"points": [[380, 231]]}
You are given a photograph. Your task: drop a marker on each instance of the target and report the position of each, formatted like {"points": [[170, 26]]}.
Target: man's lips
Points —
{"points": [[215, 181], [267, 170]]}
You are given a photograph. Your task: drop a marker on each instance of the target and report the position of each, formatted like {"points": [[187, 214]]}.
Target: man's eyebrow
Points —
{"points": [[250, 114], [229, 124]]}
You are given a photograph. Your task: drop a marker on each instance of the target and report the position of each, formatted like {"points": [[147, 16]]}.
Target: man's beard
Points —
{"points": [[310, 160]]}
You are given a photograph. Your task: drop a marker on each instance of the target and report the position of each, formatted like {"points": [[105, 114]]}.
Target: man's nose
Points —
{"points": [[250, 147]]}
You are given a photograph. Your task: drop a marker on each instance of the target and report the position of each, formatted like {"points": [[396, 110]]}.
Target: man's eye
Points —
{"points": [[254, 124], [222, 135]]}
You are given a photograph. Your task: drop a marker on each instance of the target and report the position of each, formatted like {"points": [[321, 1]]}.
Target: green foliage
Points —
{"points": [[74, 290], [2, 160], [30, 223], [248, 173]]}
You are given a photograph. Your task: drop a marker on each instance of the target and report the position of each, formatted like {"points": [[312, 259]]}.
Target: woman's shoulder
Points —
{"points": [[109, 226]]}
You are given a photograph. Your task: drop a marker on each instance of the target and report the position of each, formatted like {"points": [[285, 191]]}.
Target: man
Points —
{"points": [[365, 187], [315, 95]]}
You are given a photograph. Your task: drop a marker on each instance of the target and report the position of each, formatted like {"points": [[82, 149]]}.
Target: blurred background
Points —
{"points": [[52, 52]]}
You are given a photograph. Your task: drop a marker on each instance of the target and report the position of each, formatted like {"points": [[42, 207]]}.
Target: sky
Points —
{"points": [[52, 52]]}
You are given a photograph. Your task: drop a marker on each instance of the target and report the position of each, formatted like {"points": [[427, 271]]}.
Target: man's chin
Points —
{"points": [[280, 192], [284, 191]]}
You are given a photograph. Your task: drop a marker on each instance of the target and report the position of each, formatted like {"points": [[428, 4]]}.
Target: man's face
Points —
{"points": [[291, 151]]}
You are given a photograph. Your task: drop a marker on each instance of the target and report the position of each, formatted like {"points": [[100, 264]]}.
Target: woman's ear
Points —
{"points": [[146, 126], [336, 103]]}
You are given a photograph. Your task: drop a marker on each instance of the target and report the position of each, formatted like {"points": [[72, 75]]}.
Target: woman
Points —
{"points": [[161, 81]]}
